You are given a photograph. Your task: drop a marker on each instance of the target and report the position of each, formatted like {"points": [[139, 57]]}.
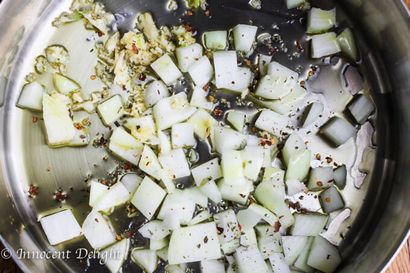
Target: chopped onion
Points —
{"points": [[331, 200], [244, 36], [183, 245], [31, 97], [323, 255], [148, 197], [110, 110], [338, 131], [216, 40], [348, 44], [188, 55], [361, 108], [60, 227], [166, 69], [320, 20], [324, 45]]}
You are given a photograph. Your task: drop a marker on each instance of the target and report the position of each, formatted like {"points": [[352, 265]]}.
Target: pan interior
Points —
{"points": [[31, 161]]}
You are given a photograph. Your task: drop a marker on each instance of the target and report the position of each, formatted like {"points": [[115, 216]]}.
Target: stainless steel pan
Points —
{"points": [[384, 219]]}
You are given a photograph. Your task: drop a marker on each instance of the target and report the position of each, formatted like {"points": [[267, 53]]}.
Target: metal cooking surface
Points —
{"points": [[31, 161]]}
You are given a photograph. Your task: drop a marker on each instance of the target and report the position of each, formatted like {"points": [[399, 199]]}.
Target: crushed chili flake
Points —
{"points": [[217, 112], [206, 87], [134, 48], [104, 181], [118, 237], [142, 77], [277, 226], [265, 142], [220, 230], [273, 50], [34, 119], [319, 183], [129, 234], [78, 125], [93, 77], [299, 46], [127, 166], [188, 28], [60, 195], [189, 12], [33, 191], [207, 13]]}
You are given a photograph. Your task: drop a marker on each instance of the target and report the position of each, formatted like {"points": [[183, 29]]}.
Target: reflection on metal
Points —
{"points": [[333, 232]]}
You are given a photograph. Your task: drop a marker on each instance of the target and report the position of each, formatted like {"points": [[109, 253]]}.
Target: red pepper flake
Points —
{"points": [[142, 77], [34, 119], [274, 50], [60, 195], [277, 226], [188, 28], [299, 46], [239, 227], [134, 48], [127, 166], [189, 12], [265, 142], [129, 234], [207, 13], [206, 87], [93, 77], [104, 181], [100, 33], [220, 230], [217, 112], [118, 237], [319, 183], [32, 191], [78, 125]]}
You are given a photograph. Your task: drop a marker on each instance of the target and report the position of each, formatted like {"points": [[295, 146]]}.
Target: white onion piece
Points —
{"points": [[183, 245], [323, 255], [166, 69], [31, 97], [244, 36], [216, 40], [320, 20], [148, 197], [60, 227], [188, 55], [324, 45]]}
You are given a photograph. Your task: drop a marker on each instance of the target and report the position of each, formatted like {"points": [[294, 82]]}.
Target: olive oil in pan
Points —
{"points": [[281, 34]]}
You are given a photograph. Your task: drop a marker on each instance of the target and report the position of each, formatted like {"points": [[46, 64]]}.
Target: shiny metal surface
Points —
{"points": [[383, 221]]}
